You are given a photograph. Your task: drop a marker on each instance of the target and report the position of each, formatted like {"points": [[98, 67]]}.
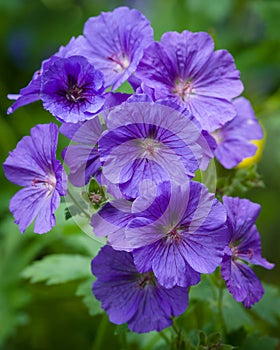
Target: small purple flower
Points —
{"points": [[82, 157], [244, 247], [116, 41], [31, 92], [129, 296], [185, 68], [181, 237], [33, 164], [149, 141], [233, 139], [71, 89]]}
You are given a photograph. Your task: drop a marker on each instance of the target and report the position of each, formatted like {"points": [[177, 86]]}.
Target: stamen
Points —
{"points": [[184, 89], [74, 93], [49, 182]]}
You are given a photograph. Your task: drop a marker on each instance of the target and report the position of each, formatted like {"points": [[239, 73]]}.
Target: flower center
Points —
{"points": [[95, 197], [175, 234], [49, 182], [150, 147], [122, 62], [74, 93], [146, 279], [184, 89]]}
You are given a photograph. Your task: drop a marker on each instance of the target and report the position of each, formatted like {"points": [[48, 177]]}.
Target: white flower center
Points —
{"points": [[183, 89]]}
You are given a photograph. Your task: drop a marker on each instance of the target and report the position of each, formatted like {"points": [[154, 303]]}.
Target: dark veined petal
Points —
{"points": [[121, 35], [132, 297], [241, 282]]}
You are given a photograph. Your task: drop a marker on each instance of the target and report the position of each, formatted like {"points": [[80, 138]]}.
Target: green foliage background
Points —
{"points": [[55, 316]]}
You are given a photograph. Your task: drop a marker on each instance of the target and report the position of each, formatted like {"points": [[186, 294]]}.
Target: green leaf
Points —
{"points": [[214, 338], [202, 338], [85, 290], [226, 347], [239, 181], [268, 308], [255, 342], [235, 315], [58, 268], [72, 210], [204, 291]]}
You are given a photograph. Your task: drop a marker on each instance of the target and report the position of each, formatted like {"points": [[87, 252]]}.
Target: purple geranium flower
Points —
{"points": [[83, 157], [233, 139], [33, 164], [244, 246], [116, 41], [181, 237], [149, 141], [185, 68], [71, 89], [132, 297], [31, 92]]}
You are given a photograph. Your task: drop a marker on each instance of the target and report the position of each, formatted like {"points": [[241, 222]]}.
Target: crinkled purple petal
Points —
{"points": [[155, 309], [128, 296], [232, 151], [118, 298], [32, 202], [111, 221], [241, 216], [211, 112], [29, 94], [234, 138], [245, 124], [121, 36], [136, 172], [86, 133], [83, 161], [249, 249], [241, 282], [167, 263], [219, 77], [33, 156], [113, 99]]}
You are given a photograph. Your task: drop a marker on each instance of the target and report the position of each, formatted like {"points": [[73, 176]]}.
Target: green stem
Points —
{"points": [[78, 205], [123, 341], [100, 335], [220, 309]]}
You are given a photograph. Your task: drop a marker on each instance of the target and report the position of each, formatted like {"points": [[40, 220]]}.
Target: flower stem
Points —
{"points": [[78, 204]]}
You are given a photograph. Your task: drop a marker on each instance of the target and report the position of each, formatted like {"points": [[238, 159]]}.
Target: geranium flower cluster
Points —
{"points": [[163, 228]]}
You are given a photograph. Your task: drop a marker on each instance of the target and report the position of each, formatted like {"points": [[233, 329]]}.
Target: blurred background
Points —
{"points": [[40, 317]]}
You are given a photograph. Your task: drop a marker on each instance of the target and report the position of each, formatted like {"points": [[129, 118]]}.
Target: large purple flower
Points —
{"points": [[33, 164], [150, 141], [185, 68], [116, 41], [234, 138], [244, 247], [132, 297], [180, 237], [72, 89]]}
